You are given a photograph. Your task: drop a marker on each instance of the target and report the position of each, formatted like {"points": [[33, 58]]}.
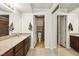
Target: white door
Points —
{"points": [[34, 32], [63, 31]]}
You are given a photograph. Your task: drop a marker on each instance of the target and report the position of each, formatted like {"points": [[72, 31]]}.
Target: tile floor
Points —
{"points": [[53, 52], [39, 50]]}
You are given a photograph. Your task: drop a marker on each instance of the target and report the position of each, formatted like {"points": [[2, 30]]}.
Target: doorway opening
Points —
{"points": [[61, 31], [40, 31]]}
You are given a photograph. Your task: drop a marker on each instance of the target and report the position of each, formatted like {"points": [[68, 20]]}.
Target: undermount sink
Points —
{"points": [[7, 37]]}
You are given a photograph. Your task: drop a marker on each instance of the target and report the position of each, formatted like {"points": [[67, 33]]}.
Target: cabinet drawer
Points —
{"points": [[20, 52], [9, 53], [27, 45], [19, 46]]}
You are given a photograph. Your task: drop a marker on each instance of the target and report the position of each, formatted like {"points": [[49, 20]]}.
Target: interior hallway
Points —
{"points": [[52, 52], [40, 44]]}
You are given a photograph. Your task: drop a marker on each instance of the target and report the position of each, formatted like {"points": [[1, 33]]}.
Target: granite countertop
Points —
{"points": [[74, 34], [10, 42]]}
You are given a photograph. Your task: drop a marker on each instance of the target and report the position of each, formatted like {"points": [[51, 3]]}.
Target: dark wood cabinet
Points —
{"points": [[20, 49], [19, 46], [9, 53], [27, 45], [74, 42], [20, 52], [4, 28]]}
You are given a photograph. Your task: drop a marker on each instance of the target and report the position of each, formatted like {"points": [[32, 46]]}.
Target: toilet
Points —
{"points": [[39, 36]]}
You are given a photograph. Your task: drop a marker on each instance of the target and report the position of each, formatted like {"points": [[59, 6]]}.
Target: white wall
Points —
{"points": [[74, 19], [50, 27], [53, 41], [54, 30], [76, 11], [21, 22], [26, 19], [48, 21], [16, 19], [48, 32], [51, 31], [34, 32], [3, 13]]}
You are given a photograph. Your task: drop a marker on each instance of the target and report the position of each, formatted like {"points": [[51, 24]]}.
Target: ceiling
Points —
{"points": [[41, 5], [69, 6], [30, 7], [37, 7], [23, 7]]}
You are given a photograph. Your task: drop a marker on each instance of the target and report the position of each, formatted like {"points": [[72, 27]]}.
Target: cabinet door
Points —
{"points": [[74, 42], [27, 45], [77, 44], [19, 46], [29, 42], [9, 53], [71, 41], [20, 52]]}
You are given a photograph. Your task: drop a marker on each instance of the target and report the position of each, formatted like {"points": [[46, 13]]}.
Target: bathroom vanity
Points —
{"points": [[74, 42], [15, 46]]}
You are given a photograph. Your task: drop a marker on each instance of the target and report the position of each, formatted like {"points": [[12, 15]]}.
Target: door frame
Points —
{"points": [[43, 28], [60, 29]]}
